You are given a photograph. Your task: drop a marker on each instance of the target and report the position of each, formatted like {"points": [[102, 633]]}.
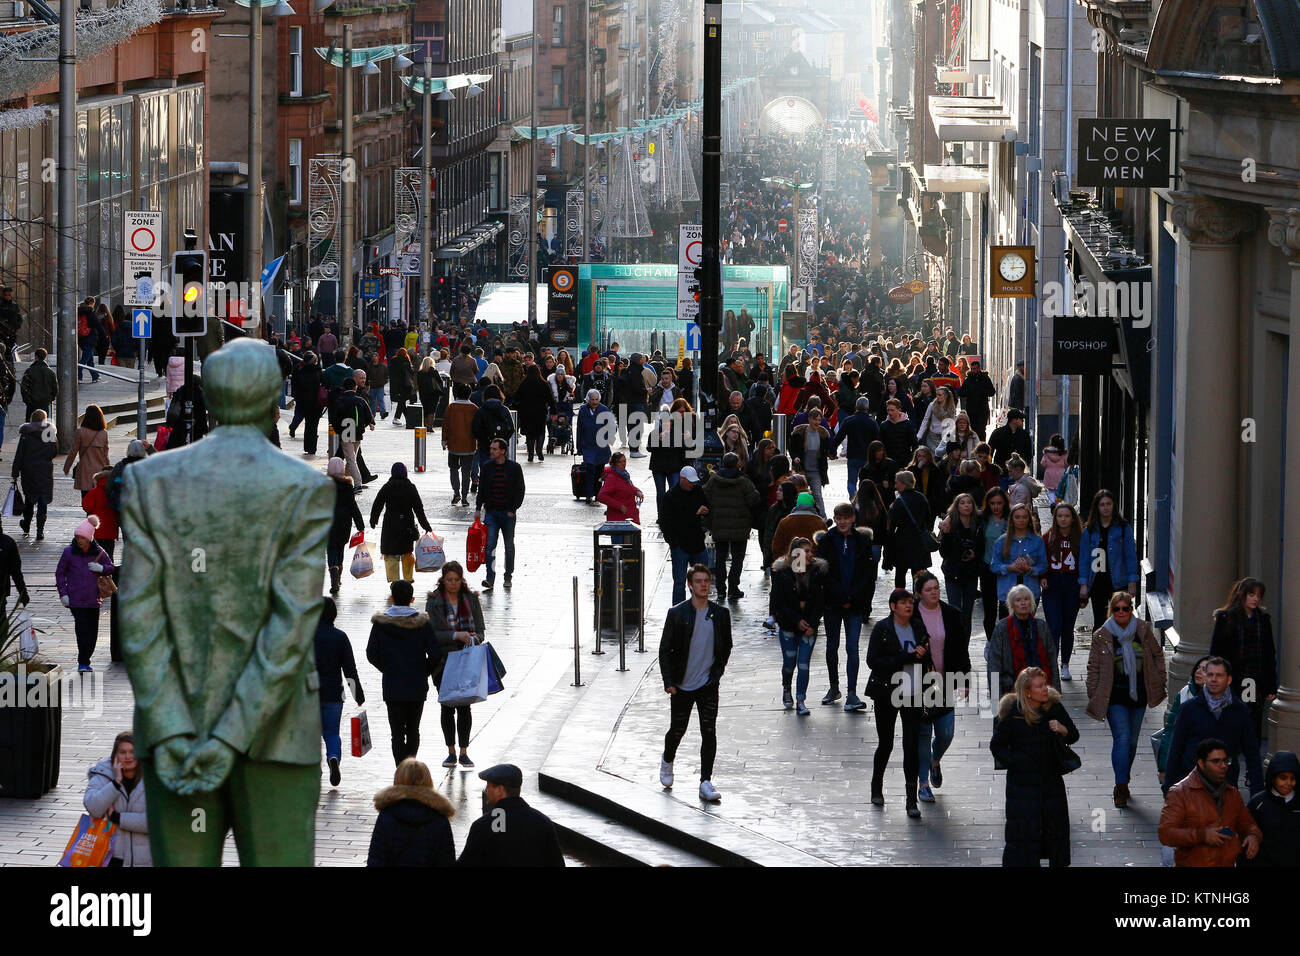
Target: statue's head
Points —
{"points": [[242, 382]]}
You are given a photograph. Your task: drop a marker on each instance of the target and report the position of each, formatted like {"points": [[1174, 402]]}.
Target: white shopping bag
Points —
{"points": [[429, 554], [362, 564], [28, 645], [466, 676]]}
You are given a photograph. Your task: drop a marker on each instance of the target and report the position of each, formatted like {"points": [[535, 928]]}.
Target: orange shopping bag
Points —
{"points": [[91, 843]]}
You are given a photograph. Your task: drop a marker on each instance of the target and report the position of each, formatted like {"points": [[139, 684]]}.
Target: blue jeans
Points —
{"points": [[855, 466], [505, 523], [941, 731], [1061, 608], [88, 358], [852, 632], [1125, 728], [379, 404], [682, 560], [796, 650], [663, 484], [330, 716]]}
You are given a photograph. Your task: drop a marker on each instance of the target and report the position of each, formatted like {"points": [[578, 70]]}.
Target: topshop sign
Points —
{"points": [[1123, 152]]}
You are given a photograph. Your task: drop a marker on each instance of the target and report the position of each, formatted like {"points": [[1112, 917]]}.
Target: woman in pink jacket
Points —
{"points": [[620, 497]]}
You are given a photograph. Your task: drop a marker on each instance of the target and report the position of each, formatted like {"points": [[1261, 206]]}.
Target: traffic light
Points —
{"points": [[698, 284], [189, 293]]}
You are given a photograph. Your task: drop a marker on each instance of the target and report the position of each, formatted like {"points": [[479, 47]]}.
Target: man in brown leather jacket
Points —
{"points": [[1204, 819]]}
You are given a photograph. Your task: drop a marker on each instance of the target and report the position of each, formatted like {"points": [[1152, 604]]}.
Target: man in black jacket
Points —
{"points": [[693, 654], [635, 395], [404, 649], [40, 386], [350, 416], [510, 832], [1215, 712], [975, 394], [679, 520], [500, 493], [1011, 438], [849, 584]]}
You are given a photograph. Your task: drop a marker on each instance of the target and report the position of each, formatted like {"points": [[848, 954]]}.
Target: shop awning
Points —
{"points": [[957, 179], [467, 242], [963, 119]]}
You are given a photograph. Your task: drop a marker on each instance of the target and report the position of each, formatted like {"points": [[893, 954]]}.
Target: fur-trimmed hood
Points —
{"points": [[410, 621], [781, 564], [1008, 701], [798, 429], [426, 795]]}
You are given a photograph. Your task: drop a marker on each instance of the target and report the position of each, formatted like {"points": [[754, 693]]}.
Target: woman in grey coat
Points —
{"points": [[116, 791], [457, 618]]}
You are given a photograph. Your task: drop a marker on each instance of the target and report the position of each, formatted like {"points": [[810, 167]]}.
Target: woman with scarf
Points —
{"points": [[457, 618], [1243, 636], [618, 494], [1126, 675], [1030, 718], [1020, 640], [898, 654], [810, 449], [939, 424], [796, 604]]}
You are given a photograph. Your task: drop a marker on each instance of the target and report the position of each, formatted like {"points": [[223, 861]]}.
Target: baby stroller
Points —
{"points": [[559, 434]]}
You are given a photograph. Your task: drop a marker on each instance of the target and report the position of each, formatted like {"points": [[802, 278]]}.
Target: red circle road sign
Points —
{"points": [[694, 252], [783, 225], [143, 240]]}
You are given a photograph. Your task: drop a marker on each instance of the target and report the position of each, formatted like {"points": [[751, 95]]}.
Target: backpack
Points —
{"points": [[83, 326], [502, 427]]}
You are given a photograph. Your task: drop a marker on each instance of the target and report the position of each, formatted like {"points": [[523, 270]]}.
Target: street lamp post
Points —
{"points": [[586, 145], [711, 213], [349, 175], [65, 324], [253, 221], [532, 179], [426, 194]]}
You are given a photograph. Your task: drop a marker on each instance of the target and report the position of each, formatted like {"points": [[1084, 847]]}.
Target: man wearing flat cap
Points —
{"points": [[510, 833]]}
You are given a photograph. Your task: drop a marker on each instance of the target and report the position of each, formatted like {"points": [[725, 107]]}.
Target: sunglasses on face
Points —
{"points": [[1122, 607]]}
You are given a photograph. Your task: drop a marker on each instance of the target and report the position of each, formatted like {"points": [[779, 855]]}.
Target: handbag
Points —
{"points": [[14, 504], [466, 676], [161, 438], [360, 733], [107, 586], [322, 396], [429, 554], [1157, 739], [362, 564], [1067, 761], [91, 843], [496, 671], [934, 542]]}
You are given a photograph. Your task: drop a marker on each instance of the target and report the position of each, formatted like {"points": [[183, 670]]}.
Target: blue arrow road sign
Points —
{"points": [[693, 336], [142, 323]]}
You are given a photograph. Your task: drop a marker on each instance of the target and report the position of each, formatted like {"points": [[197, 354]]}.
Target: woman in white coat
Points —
{"points": [[116, 791]]}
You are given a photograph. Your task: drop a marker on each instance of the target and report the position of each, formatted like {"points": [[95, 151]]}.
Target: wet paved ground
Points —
{"points": [[802, 782]]}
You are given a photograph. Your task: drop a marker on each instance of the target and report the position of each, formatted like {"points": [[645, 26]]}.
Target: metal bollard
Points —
{"points": [[514, 435], [779, 433], [577, 652], [421, 447], [618, 607], [333, 443], [600, 594], [640, 623]]}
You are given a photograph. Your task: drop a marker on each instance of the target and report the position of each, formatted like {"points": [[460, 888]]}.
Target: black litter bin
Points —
{"points": [[604, 538], [414, 415]]}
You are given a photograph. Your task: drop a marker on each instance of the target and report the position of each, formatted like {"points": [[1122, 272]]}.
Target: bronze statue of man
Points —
{"points": [[219, 602]]}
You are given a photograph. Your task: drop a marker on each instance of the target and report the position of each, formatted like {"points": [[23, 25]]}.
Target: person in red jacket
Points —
{"points": [[620, 497], [96, 503]]}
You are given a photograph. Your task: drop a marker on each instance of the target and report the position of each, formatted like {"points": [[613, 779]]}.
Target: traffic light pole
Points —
{"points": [[426, 192], [711, 214]]}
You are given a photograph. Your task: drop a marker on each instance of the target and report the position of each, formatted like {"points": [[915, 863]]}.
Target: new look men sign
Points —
{"points": [[1123, 152]]}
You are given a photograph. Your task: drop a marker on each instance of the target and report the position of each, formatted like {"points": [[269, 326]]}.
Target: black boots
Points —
{"points": [[336, 577]]}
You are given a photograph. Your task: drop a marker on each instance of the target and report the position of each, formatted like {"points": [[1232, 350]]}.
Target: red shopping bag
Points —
{"points": [[360, 734], [356, 539], [476, 546]]}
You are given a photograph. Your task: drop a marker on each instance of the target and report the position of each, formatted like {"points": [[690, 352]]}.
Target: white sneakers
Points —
{"points": [[1065, 673], [708, 792], [665, 774]]}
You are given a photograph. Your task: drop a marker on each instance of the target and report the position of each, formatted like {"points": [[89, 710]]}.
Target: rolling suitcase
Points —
{"points": [[576, 474]]}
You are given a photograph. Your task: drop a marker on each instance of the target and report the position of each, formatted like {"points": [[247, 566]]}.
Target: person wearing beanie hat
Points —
{"points": [[803, 521], [77, 578], [96, 502], [399, 502], [346, 514]]}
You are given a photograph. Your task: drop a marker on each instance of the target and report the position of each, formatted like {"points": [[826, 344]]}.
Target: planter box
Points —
{"points": [[31, 730]]}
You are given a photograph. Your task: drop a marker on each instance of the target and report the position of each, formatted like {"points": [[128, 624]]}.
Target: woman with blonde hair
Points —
{"points": [[732, 436], [940, 421], [1030, 738], [413, 828]]}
